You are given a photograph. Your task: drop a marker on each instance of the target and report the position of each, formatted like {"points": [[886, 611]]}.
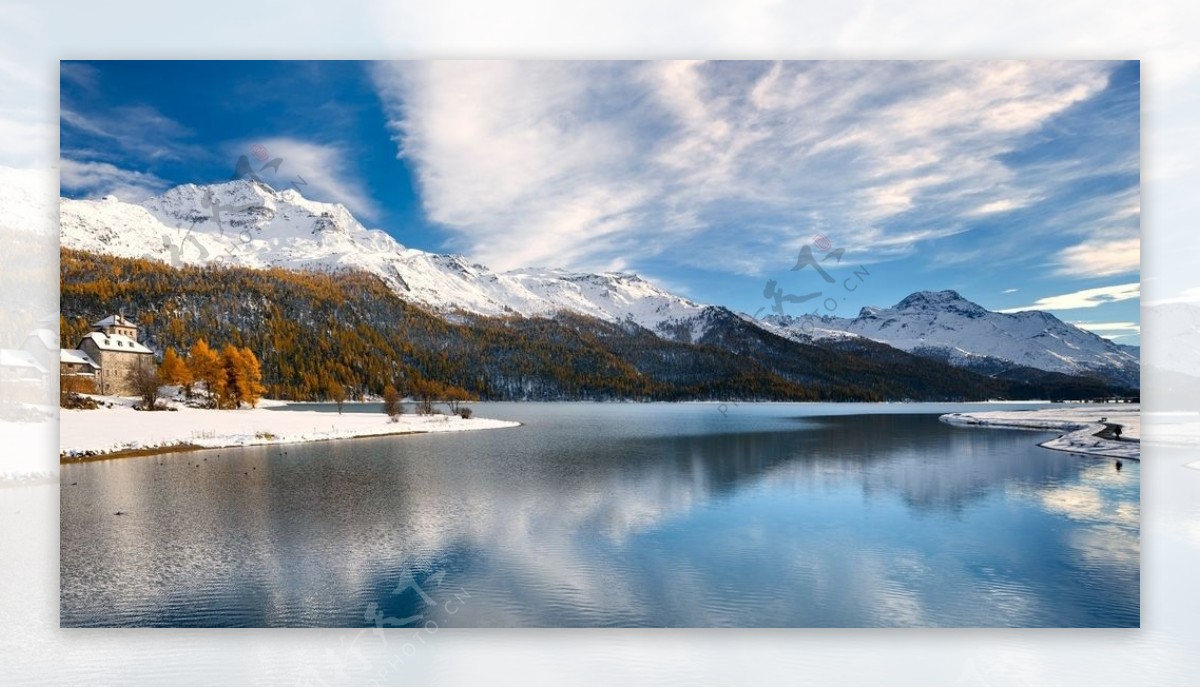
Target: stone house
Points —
{"points": [[113, 347], [76, 363]]}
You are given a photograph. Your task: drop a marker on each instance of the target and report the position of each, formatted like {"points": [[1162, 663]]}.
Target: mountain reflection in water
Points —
{"points": [[614, 514]]}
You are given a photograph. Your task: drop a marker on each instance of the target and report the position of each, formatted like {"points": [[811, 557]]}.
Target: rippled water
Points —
{"points": [[613, 515]]}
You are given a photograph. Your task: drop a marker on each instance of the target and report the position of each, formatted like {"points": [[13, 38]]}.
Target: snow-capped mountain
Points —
{"points": [[945, 326], [247, 223]]}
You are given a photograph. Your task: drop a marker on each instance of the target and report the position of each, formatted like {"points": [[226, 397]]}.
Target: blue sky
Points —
{"points": [[1014, 183]]}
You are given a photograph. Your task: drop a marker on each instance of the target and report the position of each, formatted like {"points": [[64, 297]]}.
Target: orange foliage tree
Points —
{"points": [[206, 367], [250, 388], [174, 371]]}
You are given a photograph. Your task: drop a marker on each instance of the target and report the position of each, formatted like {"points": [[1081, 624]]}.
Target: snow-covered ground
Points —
{"points": [[1079, 426], [121, 428]]}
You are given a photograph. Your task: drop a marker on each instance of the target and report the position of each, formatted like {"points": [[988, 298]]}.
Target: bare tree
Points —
{"points": [[145, 384], [455, 396], [427, 393]]}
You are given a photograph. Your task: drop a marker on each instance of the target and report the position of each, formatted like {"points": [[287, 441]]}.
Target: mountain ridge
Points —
{"points": [[313, 328], [249, 224], [943, 325]]}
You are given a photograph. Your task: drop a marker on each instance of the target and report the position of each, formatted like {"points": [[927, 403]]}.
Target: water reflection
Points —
{"points": [[612, 515]]}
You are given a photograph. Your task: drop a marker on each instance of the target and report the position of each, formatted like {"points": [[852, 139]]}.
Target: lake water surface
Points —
{"points": [[613, 515]]}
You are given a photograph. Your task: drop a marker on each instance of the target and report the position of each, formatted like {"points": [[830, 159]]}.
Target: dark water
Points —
{"points": [[613, 515]]}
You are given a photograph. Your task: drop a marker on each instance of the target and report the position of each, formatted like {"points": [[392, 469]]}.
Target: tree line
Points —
{"points": [[333, 336], [231, 377]]}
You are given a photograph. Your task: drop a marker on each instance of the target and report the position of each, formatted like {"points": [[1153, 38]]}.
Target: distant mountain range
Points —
{"points": [[944, 326], [246, 224]]}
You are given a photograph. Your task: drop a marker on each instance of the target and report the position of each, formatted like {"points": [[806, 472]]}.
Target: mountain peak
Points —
{"points": [[925, 299], [946, 300], [205, 200]]}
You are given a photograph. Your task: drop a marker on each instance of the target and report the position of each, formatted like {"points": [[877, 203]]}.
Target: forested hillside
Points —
{"points": [[315, 329]]}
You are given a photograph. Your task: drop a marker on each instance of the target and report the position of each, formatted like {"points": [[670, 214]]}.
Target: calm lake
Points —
{"points": [[614, 515]]}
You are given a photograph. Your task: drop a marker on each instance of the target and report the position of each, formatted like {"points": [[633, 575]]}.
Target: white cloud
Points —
{"points": [[1102, 259], [322, 172], [1010, 291], [80, 74], [1002, 205], [1109, 329], [575, 164], [96, 179], [1086, 298], [138, 130]]}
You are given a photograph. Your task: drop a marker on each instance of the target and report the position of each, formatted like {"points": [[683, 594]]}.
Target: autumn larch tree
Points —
{"points": [[243, 377], [235, 376], [251, 379], [337, 393], [174, 371], [391, 401], [205, 366]]}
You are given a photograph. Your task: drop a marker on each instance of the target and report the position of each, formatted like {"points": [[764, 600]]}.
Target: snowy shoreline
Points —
{"points": [[1080, 427], [107, 432]]}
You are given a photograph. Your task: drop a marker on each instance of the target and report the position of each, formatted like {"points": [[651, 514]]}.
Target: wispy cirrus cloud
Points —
{"points": [[138, 131], [586, 164], [80, 74], [1101, 259], [1110, 330], [1119, 328], [95, 179], [1085, 298], [1001, 205], [319, 171]]}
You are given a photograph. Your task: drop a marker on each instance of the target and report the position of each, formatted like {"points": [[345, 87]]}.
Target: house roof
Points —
{"points": [[76, 356], [15, 358], [115, 320], [114, 342]]}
